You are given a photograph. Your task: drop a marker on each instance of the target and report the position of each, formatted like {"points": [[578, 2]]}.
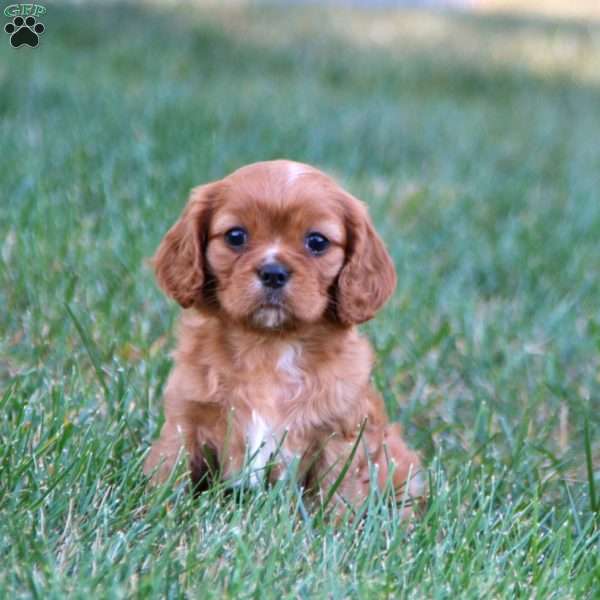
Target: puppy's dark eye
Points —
{"points": [[236, 237], [316, 243]]}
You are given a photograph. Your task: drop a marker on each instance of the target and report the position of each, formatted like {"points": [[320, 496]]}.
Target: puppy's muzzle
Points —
{"points": [[274, 275]]}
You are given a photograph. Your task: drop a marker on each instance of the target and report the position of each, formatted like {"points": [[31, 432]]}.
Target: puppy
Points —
{"points": [[276, 265]]}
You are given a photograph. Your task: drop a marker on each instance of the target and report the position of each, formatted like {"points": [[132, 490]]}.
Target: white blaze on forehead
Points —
{"points": [[295, 170], [271, 253]]}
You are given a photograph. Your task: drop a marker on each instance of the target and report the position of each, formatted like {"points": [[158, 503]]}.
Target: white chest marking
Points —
{"points": [[264, 443], [288, 363], [261, 445]]}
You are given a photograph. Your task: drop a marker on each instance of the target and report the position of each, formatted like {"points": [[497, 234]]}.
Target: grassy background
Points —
{"points": [[476, 142]]}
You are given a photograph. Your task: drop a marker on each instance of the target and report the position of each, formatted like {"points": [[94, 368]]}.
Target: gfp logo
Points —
{"points": [[24, 29]]}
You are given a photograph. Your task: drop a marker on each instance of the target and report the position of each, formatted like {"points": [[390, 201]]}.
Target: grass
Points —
{"points": [[476, 142]]}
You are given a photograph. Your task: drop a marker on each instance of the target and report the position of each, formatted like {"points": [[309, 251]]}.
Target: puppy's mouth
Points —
{"points": [[270, 317], [271, 312], [272, 299]]}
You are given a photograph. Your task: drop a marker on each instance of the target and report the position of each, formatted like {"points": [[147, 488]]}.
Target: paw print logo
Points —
{"points": [[24, 32]]}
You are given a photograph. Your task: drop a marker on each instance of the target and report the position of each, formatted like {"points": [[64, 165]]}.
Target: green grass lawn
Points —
{"points": [[476, 143]]}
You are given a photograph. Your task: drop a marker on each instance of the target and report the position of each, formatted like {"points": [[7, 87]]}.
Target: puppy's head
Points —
{"points": [[274, 245]]}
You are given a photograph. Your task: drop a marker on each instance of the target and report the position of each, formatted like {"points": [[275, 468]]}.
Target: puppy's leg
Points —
{"points": [[380, 458], [340, 455], [176, 440], [400, 466], [165, 452]]}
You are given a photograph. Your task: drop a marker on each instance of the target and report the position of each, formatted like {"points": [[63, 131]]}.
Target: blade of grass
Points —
{"points": [[590, 466], [90, 348], [336, 484]]}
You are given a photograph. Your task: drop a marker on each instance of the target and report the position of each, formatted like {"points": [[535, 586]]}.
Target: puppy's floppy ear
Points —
{"points": [[368, 278], [179, 260]]}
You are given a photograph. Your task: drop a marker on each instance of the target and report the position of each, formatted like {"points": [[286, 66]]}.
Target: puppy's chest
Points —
{"points": [[282, 402], [269, 394], [273, 384], [291, 389]]}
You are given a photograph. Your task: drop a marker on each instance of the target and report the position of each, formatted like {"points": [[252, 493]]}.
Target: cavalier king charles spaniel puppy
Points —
{"points": [[276, 265]]}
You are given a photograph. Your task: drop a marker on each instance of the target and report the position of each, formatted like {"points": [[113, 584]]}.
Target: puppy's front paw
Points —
{"points": [[399, 464], [159, 465]]}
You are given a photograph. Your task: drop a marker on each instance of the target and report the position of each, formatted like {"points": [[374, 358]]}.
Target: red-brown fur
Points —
{"points": [[297, 373]]}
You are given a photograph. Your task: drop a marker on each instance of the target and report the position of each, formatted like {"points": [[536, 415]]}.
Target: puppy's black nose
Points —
{"points": [[273, 275]]}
